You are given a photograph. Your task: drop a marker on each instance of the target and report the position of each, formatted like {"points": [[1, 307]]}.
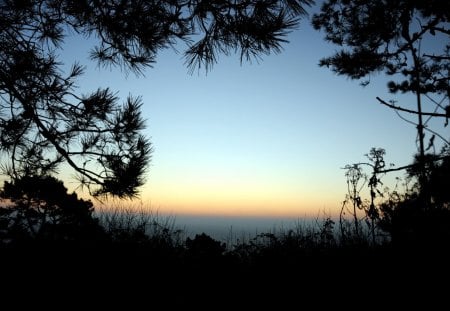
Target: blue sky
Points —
{"points": [[266, 138]]}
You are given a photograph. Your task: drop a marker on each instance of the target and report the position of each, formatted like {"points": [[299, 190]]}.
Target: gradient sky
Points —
{"points": [[266, 138]]}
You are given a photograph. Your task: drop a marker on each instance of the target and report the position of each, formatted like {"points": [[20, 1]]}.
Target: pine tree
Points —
{"points": [[44, 122]]}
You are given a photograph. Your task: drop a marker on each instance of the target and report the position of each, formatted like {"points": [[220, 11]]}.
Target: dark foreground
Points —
{"points": [[128, 277]]}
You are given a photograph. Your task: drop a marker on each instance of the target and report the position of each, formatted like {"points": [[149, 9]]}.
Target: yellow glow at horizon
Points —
{"points": [[238, 194], [218, 198]]}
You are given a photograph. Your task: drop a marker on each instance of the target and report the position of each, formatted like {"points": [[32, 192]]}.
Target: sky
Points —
{"points": [[262, 139]]}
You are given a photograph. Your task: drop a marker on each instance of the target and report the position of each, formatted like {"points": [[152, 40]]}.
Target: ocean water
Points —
{"points": [[223, 228], [233, 228]]}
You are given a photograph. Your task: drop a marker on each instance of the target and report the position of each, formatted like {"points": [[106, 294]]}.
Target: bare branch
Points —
{"points": [[441, 29], [433, 114], [438, 57]]}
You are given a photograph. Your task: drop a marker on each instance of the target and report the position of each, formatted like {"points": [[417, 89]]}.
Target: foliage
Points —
{"points": [[40, 209], [202, 246], [405, 215], [44, 121], [439, 179], [407, 40], [411, 224], [137, 226], [412, 219], [387, 36]]}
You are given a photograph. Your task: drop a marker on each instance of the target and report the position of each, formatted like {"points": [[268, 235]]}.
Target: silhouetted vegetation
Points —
{"points": [[126, 252], [44, 123], [389, 36], [39, 209], [415, 222]]}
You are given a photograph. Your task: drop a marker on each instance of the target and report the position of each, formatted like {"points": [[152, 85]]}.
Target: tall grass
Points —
{"points": [[143, 228], [138, 223]]}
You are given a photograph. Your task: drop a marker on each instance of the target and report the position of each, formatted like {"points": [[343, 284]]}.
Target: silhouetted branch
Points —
{"points": [[433, 114], [442, 30], [397, 169], [409, 166], [438, 57]]}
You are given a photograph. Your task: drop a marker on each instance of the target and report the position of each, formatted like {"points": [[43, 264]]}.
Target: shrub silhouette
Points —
{"points": [[413, 220], [203, 246], [38, 208], [439, 181], [410, 223]]}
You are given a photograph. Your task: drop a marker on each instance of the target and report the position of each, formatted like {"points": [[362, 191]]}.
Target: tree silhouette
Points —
{"points": [[411, 223], [43, 120], [40, 209], [407, 40], [203, 246]]}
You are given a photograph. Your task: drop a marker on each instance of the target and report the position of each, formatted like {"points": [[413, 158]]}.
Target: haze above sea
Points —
{"points": [[226, 228]]}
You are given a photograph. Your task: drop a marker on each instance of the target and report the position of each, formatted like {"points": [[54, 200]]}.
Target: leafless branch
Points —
{"points": [[433, 114]]}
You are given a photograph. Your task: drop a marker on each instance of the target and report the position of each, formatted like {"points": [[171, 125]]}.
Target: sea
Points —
{"points": [[232, 228]]}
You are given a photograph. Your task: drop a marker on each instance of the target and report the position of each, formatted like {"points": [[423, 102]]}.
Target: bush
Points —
{"points": [[38, 208]]}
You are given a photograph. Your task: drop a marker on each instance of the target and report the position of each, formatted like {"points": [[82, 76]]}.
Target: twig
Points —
{"points": [[433, 114]]}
